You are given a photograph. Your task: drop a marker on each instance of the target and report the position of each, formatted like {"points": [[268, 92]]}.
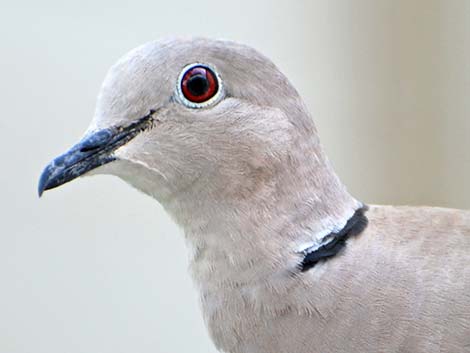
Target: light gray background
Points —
{"points": [[96, 267]]}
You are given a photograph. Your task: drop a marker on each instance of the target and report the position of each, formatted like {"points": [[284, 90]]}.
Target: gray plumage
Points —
{"points": [[244, 174]]}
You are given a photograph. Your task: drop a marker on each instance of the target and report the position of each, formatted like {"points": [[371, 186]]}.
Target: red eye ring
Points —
{"points": [[199, 84]]}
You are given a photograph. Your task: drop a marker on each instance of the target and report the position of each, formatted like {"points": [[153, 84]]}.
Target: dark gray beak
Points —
{"points": [[93, 151]]}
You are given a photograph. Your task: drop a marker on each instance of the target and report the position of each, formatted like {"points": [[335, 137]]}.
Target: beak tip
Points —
{"points": [[44, 181]]}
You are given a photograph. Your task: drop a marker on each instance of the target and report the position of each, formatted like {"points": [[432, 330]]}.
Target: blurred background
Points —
{"points": [[96, 267]]}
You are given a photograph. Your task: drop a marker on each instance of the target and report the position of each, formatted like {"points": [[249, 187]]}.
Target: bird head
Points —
{"points": [[204, 120]]}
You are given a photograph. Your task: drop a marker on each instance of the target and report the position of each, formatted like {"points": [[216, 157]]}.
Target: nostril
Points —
{"points": [[96, 141], [89, 148]]}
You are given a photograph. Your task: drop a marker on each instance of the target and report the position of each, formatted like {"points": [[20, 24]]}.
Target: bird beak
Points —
{"points": [[94, 150]]}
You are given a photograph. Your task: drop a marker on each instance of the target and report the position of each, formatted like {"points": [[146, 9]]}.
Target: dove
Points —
{"points": [[284, 259]]}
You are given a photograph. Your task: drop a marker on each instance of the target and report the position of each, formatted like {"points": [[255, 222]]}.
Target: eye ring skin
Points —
{"points": [[211, 101]]}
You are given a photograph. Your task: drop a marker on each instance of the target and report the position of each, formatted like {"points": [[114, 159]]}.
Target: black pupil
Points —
{"points": [[198, 85]]}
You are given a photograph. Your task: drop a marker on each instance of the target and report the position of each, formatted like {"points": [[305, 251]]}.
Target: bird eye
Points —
{"points": [[198, 85]]}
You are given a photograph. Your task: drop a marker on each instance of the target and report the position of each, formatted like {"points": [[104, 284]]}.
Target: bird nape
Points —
{"points": [[284, 258]]}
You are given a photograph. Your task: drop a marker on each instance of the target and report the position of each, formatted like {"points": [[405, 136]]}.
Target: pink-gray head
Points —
{"points": [[197, 124]]}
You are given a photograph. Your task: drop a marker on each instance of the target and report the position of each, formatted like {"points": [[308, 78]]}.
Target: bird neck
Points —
{"points": [[247, 239]]}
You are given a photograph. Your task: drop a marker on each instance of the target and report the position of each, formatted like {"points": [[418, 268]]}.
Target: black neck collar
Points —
{"points": [[335, 242]]}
